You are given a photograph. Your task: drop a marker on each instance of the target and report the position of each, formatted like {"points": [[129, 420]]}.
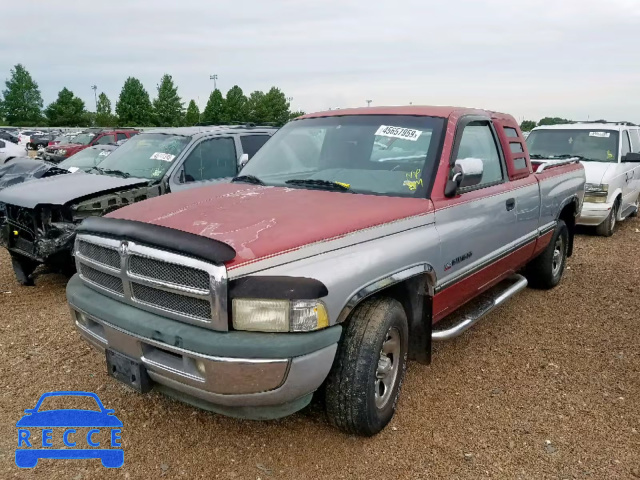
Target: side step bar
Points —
{"points": [[492, 299]]}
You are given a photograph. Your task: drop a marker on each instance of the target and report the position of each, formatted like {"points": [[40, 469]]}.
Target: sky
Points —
{"points": [[576, 59]]}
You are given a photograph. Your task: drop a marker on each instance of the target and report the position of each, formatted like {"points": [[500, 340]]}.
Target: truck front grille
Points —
{"points": [[151, 279]]}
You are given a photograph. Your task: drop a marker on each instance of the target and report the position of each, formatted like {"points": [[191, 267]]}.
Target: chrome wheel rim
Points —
{"points": [[388, 367], [558, 251]]}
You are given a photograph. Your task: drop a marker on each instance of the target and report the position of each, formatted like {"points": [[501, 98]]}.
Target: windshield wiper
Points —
{"points": [[108, 171], [248, 179], [561, 157], [320, 184]]}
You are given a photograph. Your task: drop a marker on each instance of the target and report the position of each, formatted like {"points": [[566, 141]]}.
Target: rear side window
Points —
{"points": [[252, 143], [121, 136], [626, 145], [477, 142]]}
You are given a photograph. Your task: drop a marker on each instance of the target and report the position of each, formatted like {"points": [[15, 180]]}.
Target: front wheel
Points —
{"points": [[364, 383], [545, 271], [606, 228]]}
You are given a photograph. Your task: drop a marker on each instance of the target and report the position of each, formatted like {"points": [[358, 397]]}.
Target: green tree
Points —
{"points": [[134, 107], [235, 106], [104, 117], [553, 121], [67, 111], [277, 106], [256, 108], [168, 108], [297, 114], [193, 114], [22, 101], [214, 110], [527, 125]]}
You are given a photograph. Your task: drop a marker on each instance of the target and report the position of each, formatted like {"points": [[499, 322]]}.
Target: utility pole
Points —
{"points": [[369, 102], [215, 79], [95, 95]]}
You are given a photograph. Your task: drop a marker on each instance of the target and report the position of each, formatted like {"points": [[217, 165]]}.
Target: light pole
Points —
{"points": [[95, 95], [369, 103], [215, 79]]}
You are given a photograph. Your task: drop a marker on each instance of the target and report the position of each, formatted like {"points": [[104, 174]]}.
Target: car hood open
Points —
{"points": [[62, 189], [260, 222]]}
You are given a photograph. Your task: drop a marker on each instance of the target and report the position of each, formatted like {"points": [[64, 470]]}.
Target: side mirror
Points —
{"points": [[244, 159], [631, 157], [467, 172]]}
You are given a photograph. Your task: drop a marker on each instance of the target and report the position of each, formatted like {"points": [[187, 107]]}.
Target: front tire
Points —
{"points": [[545, 271], [606, 228], [363, 386]]}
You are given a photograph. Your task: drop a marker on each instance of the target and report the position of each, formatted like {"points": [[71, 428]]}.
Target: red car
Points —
{"points": [[88, 138]]}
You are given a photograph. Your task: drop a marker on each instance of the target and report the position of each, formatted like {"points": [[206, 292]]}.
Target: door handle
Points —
{"points": [[511, 204]]}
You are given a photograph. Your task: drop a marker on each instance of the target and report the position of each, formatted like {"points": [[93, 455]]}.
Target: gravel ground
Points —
{"points": [[546, 387]]}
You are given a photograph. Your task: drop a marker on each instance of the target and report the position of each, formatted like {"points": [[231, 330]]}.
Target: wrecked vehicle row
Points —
{"points": [[37, 225]]}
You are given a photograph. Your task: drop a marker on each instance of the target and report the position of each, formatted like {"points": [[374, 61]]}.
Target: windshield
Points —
{"points": [[591, 145], [84, 159], [373, 154], [147, 155], [83, 138]]}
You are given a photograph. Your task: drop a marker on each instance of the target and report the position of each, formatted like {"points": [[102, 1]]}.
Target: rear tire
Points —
{"points": [[606, 228], [363, 386], [545, 271], [635, 213]]}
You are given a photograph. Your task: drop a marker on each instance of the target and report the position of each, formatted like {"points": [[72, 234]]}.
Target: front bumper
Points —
{"points": [[243, 374], [594, 214]]}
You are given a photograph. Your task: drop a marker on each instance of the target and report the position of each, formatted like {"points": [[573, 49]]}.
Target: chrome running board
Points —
{"points": [[493, 298]]}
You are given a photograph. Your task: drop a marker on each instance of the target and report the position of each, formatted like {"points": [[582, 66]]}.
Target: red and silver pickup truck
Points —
{"points": [[350, 242]]}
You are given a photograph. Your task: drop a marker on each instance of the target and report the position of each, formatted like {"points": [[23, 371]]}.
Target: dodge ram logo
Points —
{"points": [[124, 248]]}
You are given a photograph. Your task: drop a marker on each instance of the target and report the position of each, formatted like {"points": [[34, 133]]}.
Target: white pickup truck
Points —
{"points": [[610, 153]]}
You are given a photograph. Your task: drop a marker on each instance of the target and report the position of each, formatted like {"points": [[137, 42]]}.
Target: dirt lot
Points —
{"points": [[546, 387]]}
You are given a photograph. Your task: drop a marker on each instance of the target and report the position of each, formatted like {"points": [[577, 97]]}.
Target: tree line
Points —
{"points": [[21, 105]]}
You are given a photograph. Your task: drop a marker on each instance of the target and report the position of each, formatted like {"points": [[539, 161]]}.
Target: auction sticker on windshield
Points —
{"points": [[600, 134], [399, 132], [165, 157], [104, 153]]}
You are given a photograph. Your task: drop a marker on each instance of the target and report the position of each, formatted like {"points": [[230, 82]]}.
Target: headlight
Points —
{"points": [[260, 315], [62, 152], [596, 193], [596, 188]]}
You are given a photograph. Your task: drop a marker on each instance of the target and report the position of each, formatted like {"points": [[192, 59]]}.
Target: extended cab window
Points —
{"points": [[589, 144], [477, 141], [211, 159], [371, 154]]}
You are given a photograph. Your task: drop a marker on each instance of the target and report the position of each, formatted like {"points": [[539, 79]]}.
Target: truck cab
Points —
{"points": [[610, 153]]}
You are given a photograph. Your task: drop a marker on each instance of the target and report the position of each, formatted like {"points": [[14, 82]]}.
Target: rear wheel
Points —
{"points": [[637, 205], [607, 227], [363, 386], [545, 271]]}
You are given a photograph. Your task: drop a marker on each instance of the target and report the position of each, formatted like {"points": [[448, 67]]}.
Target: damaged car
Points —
{"points": [[37, 225], [25, 169]]}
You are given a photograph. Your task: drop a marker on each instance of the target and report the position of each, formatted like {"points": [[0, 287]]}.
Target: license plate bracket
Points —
{"points": [[128, 370]]}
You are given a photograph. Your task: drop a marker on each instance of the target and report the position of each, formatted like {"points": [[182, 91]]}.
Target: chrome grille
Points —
{"points": [[168, 272], [102, 279], [192, 307], [172, 285], [106, 256]]}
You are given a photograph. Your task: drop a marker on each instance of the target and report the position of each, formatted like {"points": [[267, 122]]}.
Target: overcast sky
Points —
{"points": [[535, 58]]}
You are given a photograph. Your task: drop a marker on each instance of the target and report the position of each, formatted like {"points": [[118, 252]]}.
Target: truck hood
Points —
{"points": [[260, 222], [596, 171], [62, 189]]}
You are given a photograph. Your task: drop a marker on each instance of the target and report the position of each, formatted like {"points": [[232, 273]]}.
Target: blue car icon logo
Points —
{"points": [[65, 422]]}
